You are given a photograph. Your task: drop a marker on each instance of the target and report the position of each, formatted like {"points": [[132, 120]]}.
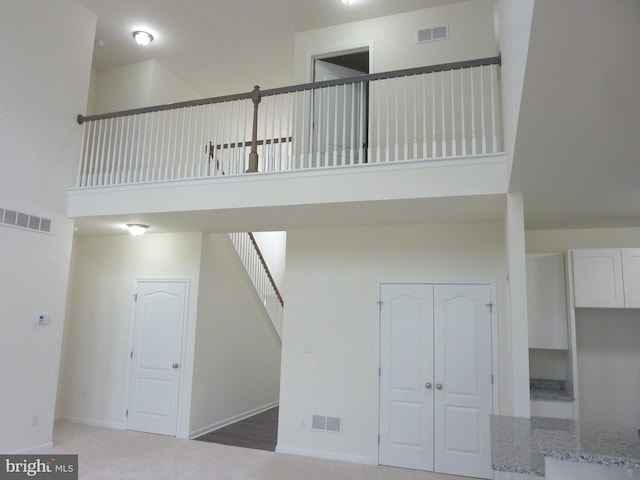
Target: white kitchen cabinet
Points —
{"points": [[597, 278], [607, 277], [546, 301], [631, 277]]}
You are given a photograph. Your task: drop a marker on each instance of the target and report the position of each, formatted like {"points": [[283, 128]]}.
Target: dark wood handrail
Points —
{"points": [[298, 88], [408, 72], [266, 268]]}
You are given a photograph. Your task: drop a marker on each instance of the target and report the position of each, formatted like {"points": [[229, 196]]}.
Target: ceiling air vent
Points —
{"points": [[12, 218], [433, 33]]}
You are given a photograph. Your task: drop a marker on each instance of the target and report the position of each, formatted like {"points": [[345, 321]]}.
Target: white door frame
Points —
{"points": [[495, 372], [183, 354], [327, 52]]}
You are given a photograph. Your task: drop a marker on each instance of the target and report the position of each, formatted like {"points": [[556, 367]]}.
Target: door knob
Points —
{"points": [[427, 385], [175, 365], [439, 386]]}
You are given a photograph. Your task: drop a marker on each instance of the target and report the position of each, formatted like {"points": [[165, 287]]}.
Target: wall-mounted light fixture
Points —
{"points": [[137, 229], [143, 38]]}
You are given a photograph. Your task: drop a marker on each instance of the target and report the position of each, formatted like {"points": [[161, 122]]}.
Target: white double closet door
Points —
{"points": [[435, 378]]}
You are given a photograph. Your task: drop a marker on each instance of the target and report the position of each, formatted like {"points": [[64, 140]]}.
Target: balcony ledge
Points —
{"points": [[217, 197]]}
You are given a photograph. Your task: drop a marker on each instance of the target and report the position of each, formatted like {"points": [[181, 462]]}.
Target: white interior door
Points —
{"points": [[338, 116], [435, 378], [406, 376], [463, 396], [154, 379]]}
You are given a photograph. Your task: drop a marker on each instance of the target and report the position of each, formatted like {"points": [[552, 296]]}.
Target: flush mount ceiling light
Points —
{"points": [[347, 2], [143, 38], [137, 229]]}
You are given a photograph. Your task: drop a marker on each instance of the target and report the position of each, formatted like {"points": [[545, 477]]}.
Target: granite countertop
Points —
{"points": [[542, 389], [519, 445]]}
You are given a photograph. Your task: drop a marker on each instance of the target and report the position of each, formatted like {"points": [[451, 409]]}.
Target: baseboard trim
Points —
{"points": [[33, 449], [303, 452], [228, 421], [92, 422]]}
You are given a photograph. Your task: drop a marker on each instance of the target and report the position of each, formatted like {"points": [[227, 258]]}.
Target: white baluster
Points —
{"points": [[225, 165], [326, 109], [484, 135], [103, 141], [235, 138], [153, 145], [397, 126], [306, 133], [443, 116], [415, 117], [82, 161], [388, 122], [463, 140], [166, 141], [474, 149], [425, 153], [378, 88], [121, 137], [292, 118], [493, 111], [434, 146], [363, 125], [93, 155], [454, 150]]}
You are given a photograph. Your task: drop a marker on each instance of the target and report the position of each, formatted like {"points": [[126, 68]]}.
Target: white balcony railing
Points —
{"points": [[427, 113]]}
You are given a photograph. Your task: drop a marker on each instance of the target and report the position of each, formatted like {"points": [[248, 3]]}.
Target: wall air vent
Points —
{"points": [[12, 218], [328, 424], [432, 34]]}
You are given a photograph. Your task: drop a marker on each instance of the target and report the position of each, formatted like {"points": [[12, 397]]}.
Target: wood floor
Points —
{"points": [[259, 432]]}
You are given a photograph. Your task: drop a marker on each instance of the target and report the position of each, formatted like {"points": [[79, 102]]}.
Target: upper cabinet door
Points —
{"points": [[547, 301], [597, 278], [631, 275]]}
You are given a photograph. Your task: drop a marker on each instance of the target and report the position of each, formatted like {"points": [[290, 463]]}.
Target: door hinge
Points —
{"points": [[131, 356], [490, 305], [135, 297], [380, 303], [492, 379], [127, 413]]}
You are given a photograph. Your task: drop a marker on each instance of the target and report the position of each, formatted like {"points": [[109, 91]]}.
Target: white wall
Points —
{"points": [[517, 356], [609, 365], [471, 35], [515, 28], [550, 241], [608, 340], [137, 85], [99, 319], [43, 86], [330, 336], [237, 352]]}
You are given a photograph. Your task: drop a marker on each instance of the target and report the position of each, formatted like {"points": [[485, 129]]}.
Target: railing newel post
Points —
{"points": [[253, 155]]}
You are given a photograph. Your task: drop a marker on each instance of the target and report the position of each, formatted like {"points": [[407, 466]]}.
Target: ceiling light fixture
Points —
{"points": [[137, 229], [347, 2], [143, 38]]}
